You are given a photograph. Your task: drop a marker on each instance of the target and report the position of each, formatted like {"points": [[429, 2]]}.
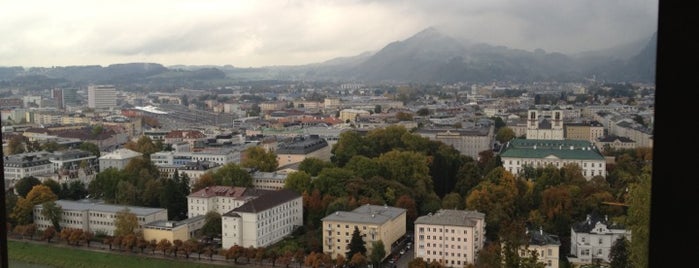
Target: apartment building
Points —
{"points": [[451, 237], [375, 223], [220, 199], [263, 221]]}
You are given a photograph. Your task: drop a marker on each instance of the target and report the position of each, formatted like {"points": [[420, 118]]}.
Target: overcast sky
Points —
{"points": [[276, 32]]}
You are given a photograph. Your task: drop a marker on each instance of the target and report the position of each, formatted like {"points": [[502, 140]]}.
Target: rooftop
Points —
{"points": [[561, 149], [371, 214], [452, 217], [99, 205]]}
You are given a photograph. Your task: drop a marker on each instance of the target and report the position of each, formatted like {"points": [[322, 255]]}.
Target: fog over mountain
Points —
{"points": [[428, 56]]}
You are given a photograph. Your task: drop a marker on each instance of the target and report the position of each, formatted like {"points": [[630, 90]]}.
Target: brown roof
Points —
{"points": [[228, 191], [265, 202]]}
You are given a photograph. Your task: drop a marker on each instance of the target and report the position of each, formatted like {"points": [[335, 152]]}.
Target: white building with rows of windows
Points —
{"points": [[220, 199], [520, 153], [262, 221], [96, 216], [451, 237]]}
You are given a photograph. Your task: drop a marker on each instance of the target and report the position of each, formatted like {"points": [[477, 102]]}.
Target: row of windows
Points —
{"points": [[439, 253], [443, 246], [435, 229]]}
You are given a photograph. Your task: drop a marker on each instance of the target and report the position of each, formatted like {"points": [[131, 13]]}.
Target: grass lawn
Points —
{"points": [[69, 257]]}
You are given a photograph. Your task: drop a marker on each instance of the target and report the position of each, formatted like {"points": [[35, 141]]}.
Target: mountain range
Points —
{"points": [[426, 57]]}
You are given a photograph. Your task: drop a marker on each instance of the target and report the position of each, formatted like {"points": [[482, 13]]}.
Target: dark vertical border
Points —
{"points": [[674, 203]]}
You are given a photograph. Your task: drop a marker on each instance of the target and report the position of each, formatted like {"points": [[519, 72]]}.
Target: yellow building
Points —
{"points": [[173, 230], [374, 223]]}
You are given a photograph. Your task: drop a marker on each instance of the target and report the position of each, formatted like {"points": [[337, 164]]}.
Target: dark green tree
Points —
{"points": [[313, 165], [53, 185], [24, 185], [73, 190], [619, 254], [356, 244], [232, 174], [298, 181], [212, 224]]}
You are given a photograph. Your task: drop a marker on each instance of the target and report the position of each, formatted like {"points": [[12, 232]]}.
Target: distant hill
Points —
{"points": [[428, 56]]}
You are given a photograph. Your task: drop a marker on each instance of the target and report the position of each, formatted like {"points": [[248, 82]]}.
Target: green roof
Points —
{"points": [[561, 149]]}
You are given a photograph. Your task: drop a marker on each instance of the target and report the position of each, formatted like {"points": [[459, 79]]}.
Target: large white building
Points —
{"points": [[18, 166], [518, 153], [593, 239], [451, 237], [220, 199], [117, 159], [101, 96], [263, 221], [96, 216], [220, 156]]}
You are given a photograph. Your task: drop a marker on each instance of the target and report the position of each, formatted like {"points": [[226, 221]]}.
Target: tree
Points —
{"points": [[23, 210], [24, 185], [639, 219], [378, 251], [260, 159], [232, 174], [126, 223], [505, 134], [212, 224], [53, 212], [49, 233], [53, 185], [16, 144], [298, 181], [356, 244], [313, 165], [619, 254], [74, 190], [144, 145], [205, 180], [358, 260], [164, 245], [90, 147], [452, 201]]}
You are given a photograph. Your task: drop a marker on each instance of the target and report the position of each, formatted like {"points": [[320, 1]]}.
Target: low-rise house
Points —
{"points": [[173, 230], [593, 238], [547, 247]]}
